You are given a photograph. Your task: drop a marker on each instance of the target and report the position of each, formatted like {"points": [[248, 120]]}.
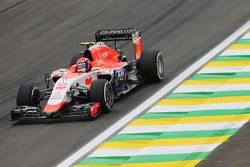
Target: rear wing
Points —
{"points": [[121, 35], [117, 34]]}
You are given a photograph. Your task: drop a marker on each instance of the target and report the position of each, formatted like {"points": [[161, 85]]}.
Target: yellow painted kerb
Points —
{"points": [[217, 81], [163, 142], [190, 120], [238, 46], [196, 101], [228, 63]]}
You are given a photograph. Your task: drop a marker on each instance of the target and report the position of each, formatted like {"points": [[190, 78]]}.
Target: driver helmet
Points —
{"points": [[84, 65]]}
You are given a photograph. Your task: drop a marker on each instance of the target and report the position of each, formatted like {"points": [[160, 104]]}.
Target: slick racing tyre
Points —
{"points": [[152, 66], [28, 95], [74, 59], [101, 91]]}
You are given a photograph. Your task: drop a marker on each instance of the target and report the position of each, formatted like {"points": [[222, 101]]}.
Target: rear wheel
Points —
{"points": [[75, 58], [28, 95], [101, 91], [152, 66]]}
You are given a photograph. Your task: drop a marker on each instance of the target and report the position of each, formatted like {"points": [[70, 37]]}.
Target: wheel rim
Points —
{"points": [[108, 94], [160, 66]]}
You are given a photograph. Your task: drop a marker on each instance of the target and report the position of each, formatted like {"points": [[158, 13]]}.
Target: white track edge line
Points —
{"points": [[86, 149]]}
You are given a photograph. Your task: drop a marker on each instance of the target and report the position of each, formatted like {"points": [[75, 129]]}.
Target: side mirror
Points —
{"points": [[47, 79]]}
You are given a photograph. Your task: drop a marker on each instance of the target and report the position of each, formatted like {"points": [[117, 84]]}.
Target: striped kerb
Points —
{"points": [[184, 127]]}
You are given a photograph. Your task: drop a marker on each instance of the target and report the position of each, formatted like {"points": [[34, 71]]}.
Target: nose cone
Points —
{"points": [[52, 108]]}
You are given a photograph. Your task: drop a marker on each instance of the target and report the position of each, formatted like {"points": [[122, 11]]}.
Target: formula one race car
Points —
{"points": [[95, 77]]}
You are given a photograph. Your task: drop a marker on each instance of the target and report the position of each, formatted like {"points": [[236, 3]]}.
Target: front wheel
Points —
{"points": [[101, 91], [28, 95], [152, 66]]}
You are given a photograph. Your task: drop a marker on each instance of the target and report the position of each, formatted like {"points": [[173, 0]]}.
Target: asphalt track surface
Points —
{"points": [[38, 36]]}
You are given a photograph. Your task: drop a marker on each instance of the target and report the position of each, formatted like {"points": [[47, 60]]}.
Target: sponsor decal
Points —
{"points": [[61, 85], [117, 31], [56, 94], [88, 81], [121, 74]]}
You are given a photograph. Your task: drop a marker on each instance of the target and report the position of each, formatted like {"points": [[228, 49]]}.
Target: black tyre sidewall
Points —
{"points": [[148, 66], [97, 94], [27, 95]]}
